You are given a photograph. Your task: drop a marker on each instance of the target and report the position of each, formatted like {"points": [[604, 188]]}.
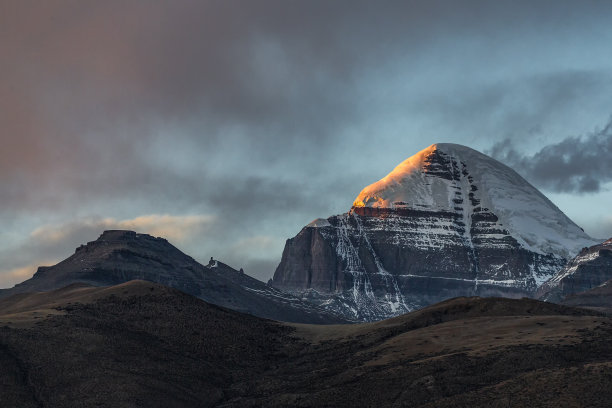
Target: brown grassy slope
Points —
{"points": [[136, 344], [142, 344], [448, 310], [24, 309], [462, 352]]}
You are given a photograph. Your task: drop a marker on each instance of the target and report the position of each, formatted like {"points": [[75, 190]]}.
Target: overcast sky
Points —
{"points": [[226, 126]]}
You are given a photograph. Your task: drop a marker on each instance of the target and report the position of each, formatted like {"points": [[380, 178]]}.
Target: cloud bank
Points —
{"points": [[579, 164], [264, 115]]}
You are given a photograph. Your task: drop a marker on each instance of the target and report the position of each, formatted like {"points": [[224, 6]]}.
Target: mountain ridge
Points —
{"points": [[582, 275], [442, 224], [118, 256], [404, 188]]}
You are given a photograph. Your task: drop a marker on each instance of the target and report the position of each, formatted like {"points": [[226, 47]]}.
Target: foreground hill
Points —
{"points": [[135, 344], [119, 256], [448, 221], [143, 344]]}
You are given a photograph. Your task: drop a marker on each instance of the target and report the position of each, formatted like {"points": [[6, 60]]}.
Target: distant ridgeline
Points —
{"points": [[119, 256], [447, 222]]}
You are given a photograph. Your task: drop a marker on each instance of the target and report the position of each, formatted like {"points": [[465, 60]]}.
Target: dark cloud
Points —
{"points": [[267, 114], [522, 107], [580, 164], [90, 84]]}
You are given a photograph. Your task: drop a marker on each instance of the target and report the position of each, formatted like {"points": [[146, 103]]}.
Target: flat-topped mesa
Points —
{"points": [[117, 235], [448, 221], [125, 237], [113, 244]]}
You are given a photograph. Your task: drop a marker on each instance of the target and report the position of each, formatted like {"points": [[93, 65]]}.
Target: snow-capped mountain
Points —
{"points": [[448, 221], [591, 268]]}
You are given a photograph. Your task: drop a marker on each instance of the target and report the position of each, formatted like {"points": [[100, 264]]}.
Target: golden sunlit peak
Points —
{"points": [[372, 195], [406, 186]]}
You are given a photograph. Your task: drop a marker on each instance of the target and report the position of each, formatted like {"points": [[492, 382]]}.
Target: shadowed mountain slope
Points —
{"points": [[598, 298], [135, 344], [591, 268], [141, 344], [119, 256]]}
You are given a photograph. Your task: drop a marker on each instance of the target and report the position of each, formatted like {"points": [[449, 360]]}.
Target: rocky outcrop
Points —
{"points": [[591, 269], [599, 298], [120, 256], [385, 263], [447, 222]]}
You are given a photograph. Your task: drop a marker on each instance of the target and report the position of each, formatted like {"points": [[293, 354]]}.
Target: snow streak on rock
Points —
{"points": [[446, 222], [592, 267]]}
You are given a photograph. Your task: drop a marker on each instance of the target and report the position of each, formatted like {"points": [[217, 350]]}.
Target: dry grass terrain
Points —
{"points": [[143, 344]]}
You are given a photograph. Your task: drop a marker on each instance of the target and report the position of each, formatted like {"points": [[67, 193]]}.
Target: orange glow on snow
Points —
{"points": [[369, 195]]}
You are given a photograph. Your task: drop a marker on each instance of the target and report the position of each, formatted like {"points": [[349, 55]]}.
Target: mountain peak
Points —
{"points": [[117, 235], [452, 178], [450, 148], [448, 221], [111, 241], [405, 186]]}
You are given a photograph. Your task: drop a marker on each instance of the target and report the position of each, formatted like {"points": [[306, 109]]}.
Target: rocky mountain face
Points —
{"points": [[599, 298], [449, 221], [119, 256], [591, 269]]}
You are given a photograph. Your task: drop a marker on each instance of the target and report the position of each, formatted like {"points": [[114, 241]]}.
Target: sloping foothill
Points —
{"points": [[144, 344]]}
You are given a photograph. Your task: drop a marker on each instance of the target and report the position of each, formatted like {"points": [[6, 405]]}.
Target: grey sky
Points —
{"points": [[583, 161], [228, 125]]}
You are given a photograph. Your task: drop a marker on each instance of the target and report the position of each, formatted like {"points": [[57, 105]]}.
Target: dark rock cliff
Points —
{"points": [[385, 262], [447, 222], [120, 256], [591, 268]]}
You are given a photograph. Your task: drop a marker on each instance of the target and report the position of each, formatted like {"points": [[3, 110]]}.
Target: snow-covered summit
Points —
{"points": [[319, 222], [430, 180], [448, 221]]}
